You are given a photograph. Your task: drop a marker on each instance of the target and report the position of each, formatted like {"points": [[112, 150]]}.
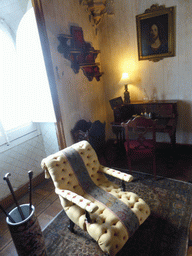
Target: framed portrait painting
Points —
{"points": [[156, 33]]}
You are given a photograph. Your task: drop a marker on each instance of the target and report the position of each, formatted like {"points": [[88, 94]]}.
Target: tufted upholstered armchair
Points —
{"points": [[91, 201]]}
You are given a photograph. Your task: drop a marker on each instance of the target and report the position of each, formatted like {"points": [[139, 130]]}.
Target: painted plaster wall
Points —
{"points": [[78, 97], [171, 78]]}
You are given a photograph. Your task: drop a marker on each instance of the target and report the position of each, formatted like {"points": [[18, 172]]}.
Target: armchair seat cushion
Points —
{"points": [[134, 144], [137, 151]]}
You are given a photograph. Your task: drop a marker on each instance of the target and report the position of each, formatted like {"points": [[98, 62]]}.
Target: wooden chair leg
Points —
{"points": [[88, 218], [154, 167], [128, 162], [123, 185], [129, 165], [71, 226]]}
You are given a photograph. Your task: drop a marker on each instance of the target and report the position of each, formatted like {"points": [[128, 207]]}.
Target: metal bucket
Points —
{"points": [[26, 234]]}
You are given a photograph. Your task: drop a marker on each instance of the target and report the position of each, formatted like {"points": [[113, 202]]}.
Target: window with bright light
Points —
{"points": [[24, 90]]}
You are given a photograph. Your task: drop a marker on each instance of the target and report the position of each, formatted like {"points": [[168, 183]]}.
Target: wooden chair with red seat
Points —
{"points": [[140, 140]]}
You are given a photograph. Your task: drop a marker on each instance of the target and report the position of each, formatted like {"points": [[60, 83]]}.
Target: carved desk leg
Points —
{"points": [[172, 153]]}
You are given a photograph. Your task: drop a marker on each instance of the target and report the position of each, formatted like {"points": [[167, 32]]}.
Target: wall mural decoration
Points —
{"points": [[156, 33], [81, 54]]}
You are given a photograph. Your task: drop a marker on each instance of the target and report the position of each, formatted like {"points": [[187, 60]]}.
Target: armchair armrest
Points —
{"points": [[82, 202], [117, 174]]}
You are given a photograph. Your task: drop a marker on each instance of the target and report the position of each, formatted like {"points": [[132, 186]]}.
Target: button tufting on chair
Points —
{"points": [[83, 188]]}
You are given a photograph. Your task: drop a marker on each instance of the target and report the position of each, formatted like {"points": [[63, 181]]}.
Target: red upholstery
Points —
{"points": [[141, 146]]}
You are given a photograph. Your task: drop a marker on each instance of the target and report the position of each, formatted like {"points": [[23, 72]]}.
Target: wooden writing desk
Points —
{"points": [[164, 111]]}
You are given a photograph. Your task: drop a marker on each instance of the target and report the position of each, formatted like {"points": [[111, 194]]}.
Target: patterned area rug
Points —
{"points": [[164, 233]]}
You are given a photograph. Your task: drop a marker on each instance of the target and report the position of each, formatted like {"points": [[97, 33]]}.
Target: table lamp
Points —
{"points": [[125, 79]]}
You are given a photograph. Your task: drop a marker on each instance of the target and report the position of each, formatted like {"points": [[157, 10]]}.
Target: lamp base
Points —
{"points": [[126, 97]]}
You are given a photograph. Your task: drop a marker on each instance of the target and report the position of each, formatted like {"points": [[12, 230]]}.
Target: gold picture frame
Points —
{"points": [[156, 33]]}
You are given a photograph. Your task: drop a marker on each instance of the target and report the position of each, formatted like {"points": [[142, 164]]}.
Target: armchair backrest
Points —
{"points": [[58, 167]]}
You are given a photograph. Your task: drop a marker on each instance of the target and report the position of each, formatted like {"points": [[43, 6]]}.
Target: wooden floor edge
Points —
{"points": [[8, 201]]}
